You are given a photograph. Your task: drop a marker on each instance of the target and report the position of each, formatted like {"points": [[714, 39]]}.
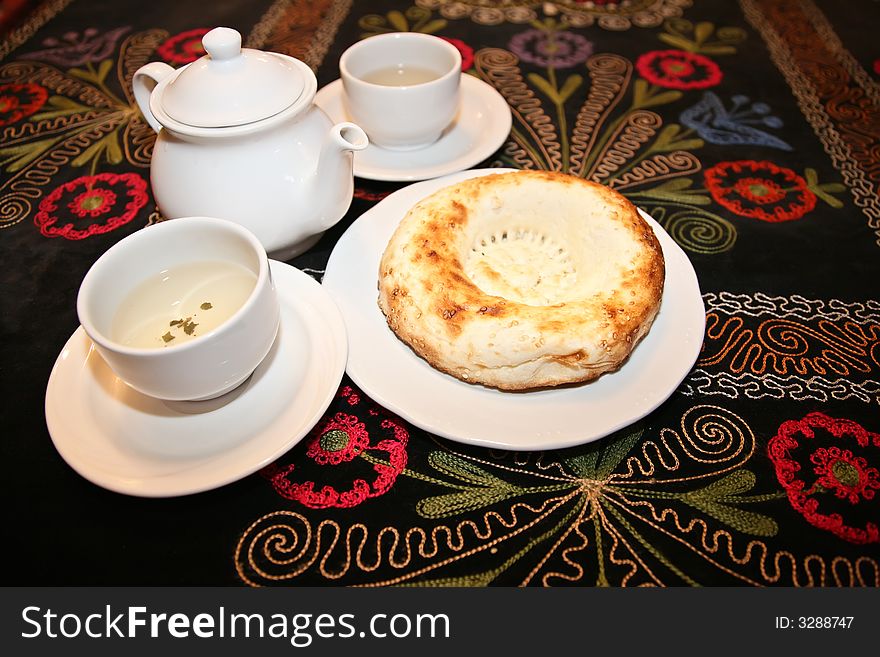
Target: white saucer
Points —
{"points": [[393, 375], [481, 127], [130, 443]]}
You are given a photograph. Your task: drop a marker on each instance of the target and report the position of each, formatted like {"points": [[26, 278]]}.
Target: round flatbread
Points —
{"points": [[522, 280]]}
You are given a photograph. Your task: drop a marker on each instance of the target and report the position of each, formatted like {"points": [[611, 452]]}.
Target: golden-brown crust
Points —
{"points": [[437, 308]]}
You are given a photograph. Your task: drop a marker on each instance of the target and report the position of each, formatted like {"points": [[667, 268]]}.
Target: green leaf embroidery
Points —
{"points": [[666, 141], [114, 152], [645, 96], [702, 32], [603, 457], [584, 465], [545, 87], [477, 580], [616, 450], [107, 146], [434, 26], [62, 106], [18, 157], [823, 190], [718, 50], [398, 21], [678, 28], [104, 68], [716, 499], [570, 86], [472, 499], [676, 190], [737, 482], [458, 468], [82, 74], [677, 42]]}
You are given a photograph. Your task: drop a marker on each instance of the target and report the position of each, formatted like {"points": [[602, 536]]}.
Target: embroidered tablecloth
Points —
{"points": [[747, 129]]}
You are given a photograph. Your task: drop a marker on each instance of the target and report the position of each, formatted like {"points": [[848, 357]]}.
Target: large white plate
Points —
{"points": [[130, 443], [392, 374], [480, 128]]}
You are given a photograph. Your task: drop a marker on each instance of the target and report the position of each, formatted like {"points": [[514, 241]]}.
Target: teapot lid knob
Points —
{"points": [[222, 43], [232, 85]]}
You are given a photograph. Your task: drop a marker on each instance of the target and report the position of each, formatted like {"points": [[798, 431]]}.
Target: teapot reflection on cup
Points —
{"points": [[402, 88], [240, 138]]}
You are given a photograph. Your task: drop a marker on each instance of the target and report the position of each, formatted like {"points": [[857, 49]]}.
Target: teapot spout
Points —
{"points": [[334, 174]]}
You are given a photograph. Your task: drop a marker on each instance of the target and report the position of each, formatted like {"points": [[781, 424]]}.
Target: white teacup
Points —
{"points": [[183, 310], [402, 88]]}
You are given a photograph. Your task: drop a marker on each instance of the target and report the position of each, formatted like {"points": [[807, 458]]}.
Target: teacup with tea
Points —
{"points": [[183, 310], [402, 88]]}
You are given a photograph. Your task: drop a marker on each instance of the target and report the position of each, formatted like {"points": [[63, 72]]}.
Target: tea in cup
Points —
{"points": [[402, 88], [184, 310]]}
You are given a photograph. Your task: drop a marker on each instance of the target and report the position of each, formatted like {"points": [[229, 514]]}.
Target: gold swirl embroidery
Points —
{"points": [[500, 68], [138, 137], [694, 228], [55, 81], [833, 43], [264, 543], [86, 126], [304, 30], [822, 87], [24, 186], [658, 167], [13, 208], [325, 34], [781, 567], [602, 512], [710, 435], [729, 354], [785, 346], [610, 16], [625, 142], [609, 77], [41, 14]]}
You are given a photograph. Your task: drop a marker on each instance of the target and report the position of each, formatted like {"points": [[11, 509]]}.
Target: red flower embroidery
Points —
{"points": [[18, 101], [92, 203], [835, 469], [467, 53], [183, 48], [678, 69], [342, 439], [367, 195], [848, 476], [760, 189], [114, 199]]}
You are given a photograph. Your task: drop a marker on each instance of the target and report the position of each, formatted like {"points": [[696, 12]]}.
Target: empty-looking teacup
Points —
{"points": [[183, 310], [402, 88]]}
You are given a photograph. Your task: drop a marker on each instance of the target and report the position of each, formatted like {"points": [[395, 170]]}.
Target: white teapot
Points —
{"points": [[240, 138]]}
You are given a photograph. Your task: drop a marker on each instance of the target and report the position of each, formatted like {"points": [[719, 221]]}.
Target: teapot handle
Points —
{"points": [[144, 81]]}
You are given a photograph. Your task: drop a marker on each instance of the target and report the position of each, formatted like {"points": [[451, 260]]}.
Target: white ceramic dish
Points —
{"points": [[481, 127], [222, 357], [390, 373], [130, 443], [413, 108], [239, 137]]}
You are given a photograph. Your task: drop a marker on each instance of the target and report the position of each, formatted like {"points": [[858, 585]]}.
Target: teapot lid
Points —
{"points": [[231, 85]]}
